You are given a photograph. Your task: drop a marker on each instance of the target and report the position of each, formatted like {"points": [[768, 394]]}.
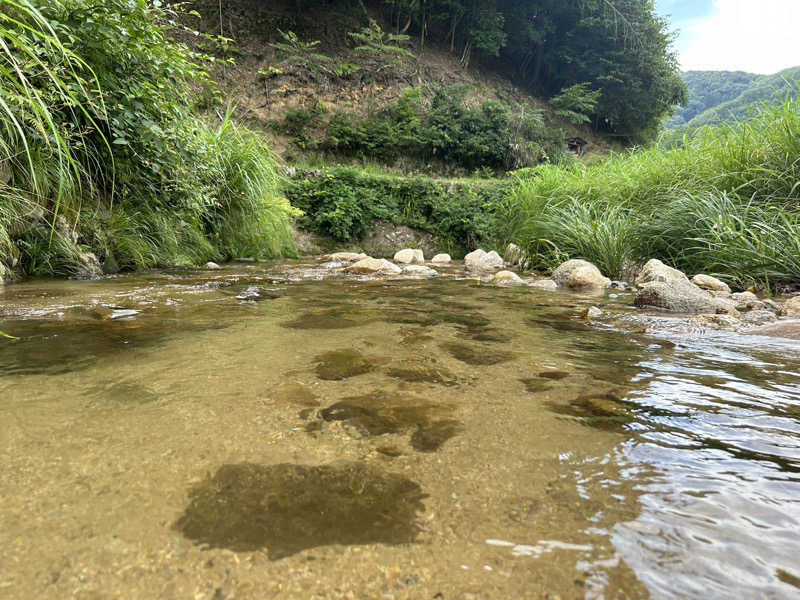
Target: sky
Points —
{"points": [[758, 36]]}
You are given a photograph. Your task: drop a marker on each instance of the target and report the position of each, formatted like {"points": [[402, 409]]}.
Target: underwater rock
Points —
{"points": [[544, 284], [345, 257], [342, 364], [288, 508]]}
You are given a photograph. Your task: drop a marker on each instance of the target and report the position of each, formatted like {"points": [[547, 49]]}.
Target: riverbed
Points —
{"points": [[282, 430]]}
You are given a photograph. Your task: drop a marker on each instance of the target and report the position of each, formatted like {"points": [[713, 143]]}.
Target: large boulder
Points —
{"points": [[792, 307], [655, 270], [480, 260], [681, 296], [374, 266], [579, 274], [707, 282], [383, 238], [409, 256], [442, 259]]}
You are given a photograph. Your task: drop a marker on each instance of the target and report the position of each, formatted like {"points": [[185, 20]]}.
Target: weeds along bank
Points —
{"points": [[727, 202], [100, 153]]}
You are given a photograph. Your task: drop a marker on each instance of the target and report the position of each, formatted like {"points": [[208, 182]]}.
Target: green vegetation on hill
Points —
{"points": [[727, 96], [618, 49], [100, 152], [708, 89]]}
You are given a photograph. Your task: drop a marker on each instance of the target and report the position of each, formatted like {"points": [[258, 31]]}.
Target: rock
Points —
{"points": [[516, 257], [330, 266], [791, 308], [110, 265], [383, 238], [759, 317], [345, 257], [781, 329], [507, 278], [370, 266], [715, 321], [309, 243], [544, 284], [743, 297], [419, 271], [441, 259], [409, 256], [479, 260], [679, 296], [213, 266], [580, 274], [655, 270], [719, 294], [707, 282], [772, 305], [88, 266], [592, 313]]}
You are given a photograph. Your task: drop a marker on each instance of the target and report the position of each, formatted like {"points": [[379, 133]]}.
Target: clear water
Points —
{"points": [[271, 431]]}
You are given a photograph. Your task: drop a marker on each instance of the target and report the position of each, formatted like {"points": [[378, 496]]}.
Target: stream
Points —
{"points": [[278, 430]]}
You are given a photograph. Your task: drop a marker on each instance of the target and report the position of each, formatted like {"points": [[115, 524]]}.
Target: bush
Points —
{"points": [[342, 202]]}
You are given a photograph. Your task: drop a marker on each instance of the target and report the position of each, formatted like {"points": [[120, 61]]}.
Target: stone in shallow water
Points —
{"points": [[328, 319], [534, 385], [289, 508], [422, 374], [554, 375], [380, 412], [294, 393], [431, 437], [409, 256], [477, 355], [342, 364]]}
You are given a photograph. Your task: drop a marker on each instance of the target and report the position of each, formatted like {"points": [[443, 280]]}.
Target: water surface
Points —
{"points": [[264, 431]]}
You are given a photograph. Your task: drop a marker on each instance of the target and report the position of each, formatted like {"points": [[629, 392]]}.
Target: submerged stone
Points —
{"points": [[477, 355], [422, 374], [534, 385], [329, 319], [430, 437], [342, 364], [289, 508], [294, 393]]}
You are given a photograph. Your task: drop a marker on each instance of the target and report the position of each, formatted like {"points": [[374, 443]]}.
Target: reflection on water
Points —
{"points": [[163, 433]]}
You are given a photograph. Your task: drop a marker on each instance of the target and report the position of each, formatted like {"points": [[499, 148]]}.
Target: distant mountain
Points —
{"points": [[724, 96]]}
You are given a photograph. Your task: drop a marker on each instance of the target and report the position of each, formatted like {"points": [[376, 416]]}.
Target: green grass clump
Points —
{"points": [[726, 203], [99, 150]]}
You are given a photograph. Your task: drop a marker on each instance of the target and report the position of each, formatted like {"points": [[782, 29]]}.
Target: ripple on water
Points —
{"points": [[289, 508]]}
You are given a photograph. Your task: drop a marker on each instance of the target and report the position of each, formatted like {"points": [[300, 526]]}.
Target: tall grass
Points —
{"points": [[727, 203], [99, 150]]}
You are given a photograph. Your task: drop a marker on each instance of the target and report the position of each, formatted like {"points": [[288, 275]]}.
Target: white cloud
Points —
{"points": [[759, 36]]}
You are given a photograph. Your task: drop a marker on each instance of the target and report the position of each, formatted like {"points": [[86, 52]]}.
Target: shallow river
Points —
{"points": [[262, 432]]}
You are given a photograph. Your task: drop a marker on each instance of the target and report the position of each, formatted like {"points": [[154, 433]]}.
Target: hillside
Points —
{"points": [[349, 82], [725, 96]]}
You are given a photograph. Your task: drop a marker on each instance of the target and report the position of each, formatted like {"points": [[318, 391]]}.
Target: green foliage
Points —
{"points": [[726, 203], [576, 103], [294, 50], [342, 202], [373, 41], [96, 127], [449, 129]]}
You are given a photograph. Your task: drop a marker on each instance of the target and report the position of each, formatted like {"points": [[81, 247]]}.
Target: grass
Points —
{"points": [[726, 203], [138, 180]]}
